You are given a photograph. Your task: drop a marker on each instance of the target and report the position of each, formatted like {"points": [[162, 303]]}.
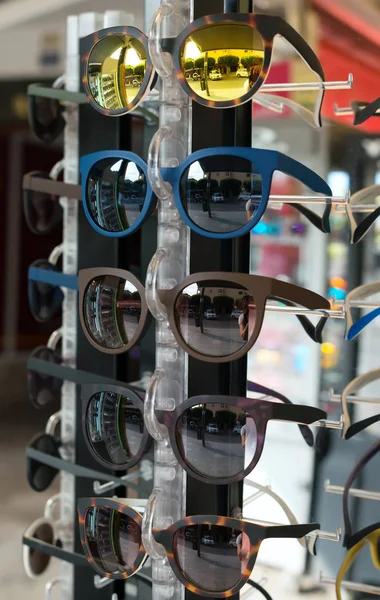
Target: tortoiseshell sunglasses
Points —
{"points": [[211, 556], [221, 61]]}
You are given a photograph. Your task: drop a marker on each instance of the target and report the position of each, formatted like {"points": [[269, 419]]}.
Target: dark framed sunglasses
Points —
{"points": [[117, 197], [42, 388], [46, 110], [365, 110], [117, 69], [112, 307], [228, 561]]}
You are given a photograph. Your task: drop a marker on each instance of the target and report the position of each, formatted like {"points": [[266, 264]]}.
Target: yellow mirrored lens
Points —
{"points": [[116, 69], [222, 62]]}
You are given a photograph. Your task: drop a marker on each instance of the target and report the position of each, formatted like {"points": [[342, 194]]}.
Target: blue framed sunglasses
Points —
{"points": [[220, 193]]}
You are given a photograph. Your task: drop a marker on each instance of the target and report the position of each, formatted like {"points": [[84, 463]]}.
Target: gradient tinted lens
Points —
{"points": [[44, 389], [217, 440], [221, 193], [45, 300], [115, 194], [115, 427], [222, 62], [215, 317], [42, 211], [38, 561], [213, 558], [112, 310], [113, 539], [116, 70]]}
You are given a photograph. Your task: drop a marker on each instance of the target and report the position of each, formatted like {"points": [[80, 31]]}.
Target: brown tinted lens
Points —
{"points": [[115, 427], [112, 310], [222, 62], [116, 70], [113, 539], [213, 558], [38, 561], [214, 317], [217, 440]]}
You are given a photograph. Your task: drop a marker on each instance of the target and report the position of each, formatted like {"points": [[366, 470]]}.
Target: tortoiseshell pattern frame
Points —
{"points": [[268, 27], [85, 504], [256, 534], [88, 44]]}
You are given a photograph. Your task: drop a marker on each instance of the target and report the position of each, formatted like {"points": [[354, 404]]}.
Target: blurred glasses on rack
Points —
{"points": [[350, 430], [44, 529], [357, 296]]}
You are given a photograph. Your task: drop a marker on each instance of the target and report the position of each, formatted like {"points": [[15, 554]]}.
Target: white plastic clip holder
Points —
{"points": [[104, 488]]}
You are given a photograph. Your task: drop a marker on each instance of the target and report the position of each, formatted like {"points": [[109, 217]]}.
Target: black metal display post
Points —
{"points": [[97, 132], [230, 127]]}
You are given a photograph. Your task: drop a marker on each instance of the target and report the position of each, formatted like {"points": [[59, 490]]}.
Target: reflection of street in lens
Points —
{"points": [[219, 338]]}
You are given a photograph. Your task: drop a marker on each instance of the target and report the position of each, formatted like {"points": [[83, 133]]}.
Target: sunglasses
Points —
{"points": [[353, 328], [359, 224], [350, 430], [44, 529], [117, 69], [117, 197], [351, 539], [224, 548], [44, 389], [46, 109], [373, 540], [43, 464], [365, 110], [112, 306]]}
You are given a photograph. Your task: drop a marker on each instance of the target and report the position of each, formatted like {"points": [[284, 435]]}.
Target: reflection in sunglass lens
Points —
{"points": [[44, 299], [115, 194], [44, 389], [112, 310], [113, 539], [222, 62], [115, 427], [221, 193], [116, 70], [215, 320], [217, 440], [38, 561], [212, 557]]}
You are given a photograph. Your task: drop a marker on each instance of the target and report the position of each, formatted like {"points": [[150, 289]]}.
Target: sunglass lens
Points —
{"points": [[115, 194], [44, 299], [38, 561], [44, 389], [116, 70], [113, 540], [215, 317], [40, 476], [42, 211], [45, 116], [112, 310], [221, 193], [222, 62], [114, 427], [217, 440], [212, 557]]}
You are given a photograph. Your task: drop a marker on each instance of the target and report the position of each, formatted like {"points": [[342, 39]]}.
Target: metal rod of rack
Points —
{"points": [[350, 585], [309, 86], [357, 493]]}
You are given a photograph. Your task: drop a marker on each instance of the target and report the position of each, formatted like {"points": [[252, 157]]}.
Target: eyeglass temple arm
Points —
{"points": [[306, 432], [364, 226], [355, 386], [291, 531], [362, 114], [312, 180], [53, 277], [361, 324], [354, 473], [313, 331], [34, 183], [79, 560], [260, 589]]}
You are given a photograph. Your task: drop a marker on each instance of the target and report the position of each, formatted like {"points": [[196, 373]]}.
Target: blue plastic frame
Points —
{"points": [[55, 278], [267, 161], [361, 324], [88, 161]]}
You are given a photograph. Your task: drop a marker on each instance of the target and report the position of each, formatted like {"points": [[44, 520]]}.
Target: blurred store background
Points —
{"points": [[345, 35]]}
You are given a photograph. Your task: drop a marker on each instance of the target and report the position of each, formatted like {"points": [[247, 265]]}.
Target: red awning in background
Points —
{"points": [[349, 44]]}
